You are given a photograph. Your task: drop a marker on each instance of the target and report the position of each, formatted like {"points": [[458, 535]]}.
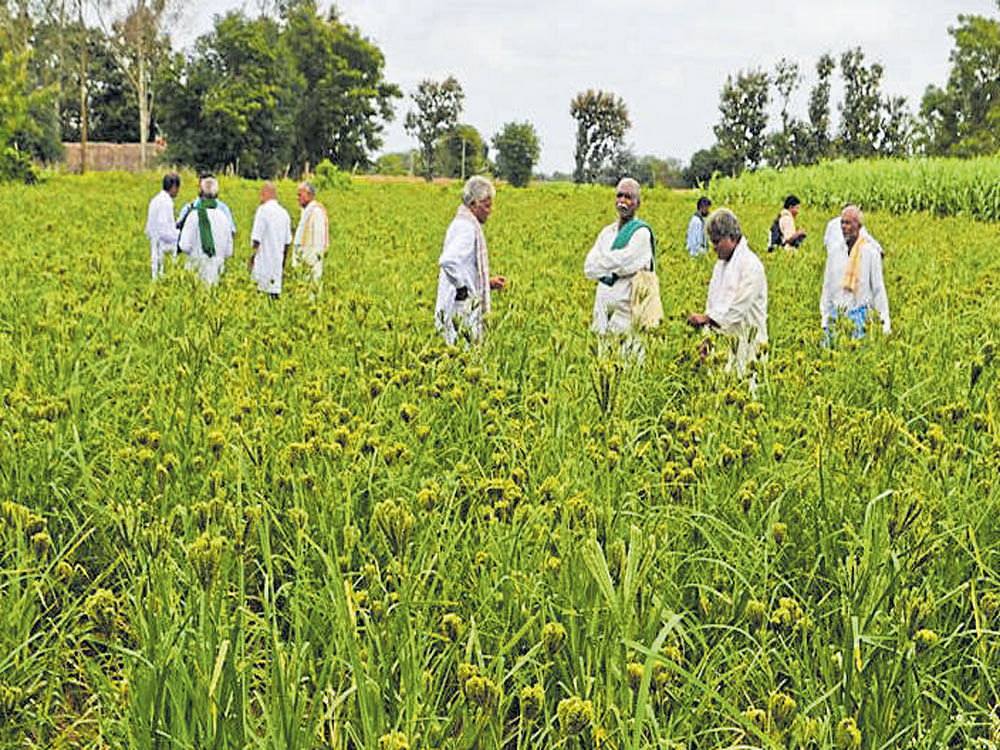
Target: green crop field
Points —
{"points": [[233, 522]]}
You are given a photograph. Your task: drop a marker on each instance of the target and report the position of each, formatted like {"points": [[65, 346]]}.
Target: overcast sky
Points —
{"points": [[520, 60]]}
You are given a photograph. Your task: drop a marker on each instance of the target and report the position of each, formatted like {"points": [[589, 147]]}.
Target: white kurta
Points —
{"points": [[160, 230], [871, 287], [311, 239], [209, 268], [737, 303], [459, 269], [272, 230], [612, 304]]}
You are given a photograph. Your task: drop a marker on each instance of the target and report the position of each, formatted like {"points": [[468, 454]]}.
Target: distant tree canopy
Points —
{"points": [[601, 123], [461, 152], [438, 106], [517, 152], [261, 96], [871, 123], [963, 118]]}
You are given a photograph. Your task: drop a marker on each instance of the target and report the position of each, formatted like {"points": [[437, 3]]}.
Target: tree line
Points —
{"points": [[290, 89]]}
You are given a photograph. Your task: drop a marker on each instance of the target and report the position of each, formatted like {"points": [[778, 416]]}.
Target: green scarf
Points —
{"points": [[205, 226], [621, 240]]}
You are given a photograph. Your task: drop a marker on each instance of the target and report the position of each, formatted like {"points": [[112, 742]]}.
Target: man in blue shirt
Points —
{"points": [[696, 243]]}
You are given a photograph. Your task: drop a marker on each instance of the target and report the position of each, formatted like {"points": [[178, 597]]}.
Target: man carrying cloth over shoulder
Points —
{"points": [[622, 249], [312, 235]]}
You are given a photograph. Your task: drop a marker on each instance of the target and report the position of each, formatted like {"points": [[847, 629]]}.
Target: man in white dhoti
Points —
{"points": [[622, 249], [160, 228], [271, 238], [312, 235], [464, 281], [207, 236], [853, 283], [736, 306]]}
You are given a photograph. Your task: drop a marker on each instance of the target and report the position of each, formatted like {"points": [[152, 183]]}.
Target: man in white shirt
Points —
{"points": [[312, 235], [464, 281], [736, 306], [160, 228], [622, 249], [207, 235], [271, 239], [853, 284]]}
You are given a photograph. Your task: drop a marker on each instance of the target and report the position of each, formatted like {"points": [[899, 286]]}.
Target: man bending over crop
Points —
{"points": [[853, 284], [464, 282], [737, 294]]}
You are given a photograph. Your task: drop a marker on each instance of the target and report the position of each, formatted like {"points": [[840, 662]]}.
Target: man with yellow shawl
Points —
{"points": [[853, 284], [312, 236]]}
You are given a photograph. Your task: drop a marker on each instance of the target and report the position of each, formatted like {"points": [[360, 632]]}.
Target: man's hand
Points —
{"points": [[250, 262], [498, 282], [697, 320], [704, 348], [461, 294]]}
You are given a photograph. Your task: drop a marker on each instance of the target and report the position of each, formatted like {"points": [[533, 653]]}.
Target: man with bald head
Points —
{"points": [[622, 249], [271, 239], [853, 284]]}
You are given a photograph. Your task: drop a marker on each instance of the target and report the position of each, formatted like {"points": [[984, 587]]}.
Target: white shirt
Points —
{"points": [[458, 269], [190, 242], [160, 223], [737, 302], [871, 284], [272, 230], [612, 304]]}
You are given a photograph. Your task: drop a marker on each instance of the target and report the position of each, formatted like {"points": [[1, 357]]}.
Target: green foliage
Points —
{"points": [[820, 143], [743, 108], [601, 122], [393, 164], [339, 98], [25, 119], [704, 164], [461, 152], [517, 151], [227, 106], [438, 106], [962, 118], [328, 176], [861, 110], [942, 186]]}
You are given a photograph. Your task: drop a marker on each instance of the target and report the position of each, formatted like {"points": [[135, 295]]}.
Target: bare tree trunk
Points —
{"points": [[83, 92], [143, 109]]}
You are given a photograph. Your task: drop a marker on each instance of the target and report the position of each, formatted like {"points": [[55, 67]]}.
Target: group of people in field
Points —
{"points": [[623, 260], [204, 232]]}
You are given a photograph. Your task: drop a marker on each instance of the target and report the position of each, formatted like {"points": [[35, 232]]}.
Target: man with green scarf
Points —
{"points": [[208, 237], [622, 249]]}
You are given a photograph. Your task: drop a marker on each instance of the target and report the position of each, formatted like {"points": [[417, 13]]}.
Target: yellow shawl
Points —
{"points": [[852, 277]]}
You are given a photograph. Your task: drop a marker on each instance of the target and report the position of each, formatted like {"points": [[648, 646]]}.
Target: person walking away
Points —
{"points": [[271, 239], [160, 227], [207, 238]]}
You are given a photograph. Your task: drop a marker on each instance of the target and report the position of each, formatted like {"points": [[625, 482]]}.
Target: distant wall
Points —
{"points": [[102, 157]]}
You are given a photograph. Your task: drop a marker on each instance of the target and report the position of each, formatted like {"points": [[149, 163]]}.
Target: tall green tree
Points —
{"points": [[862, 108], [461, 152], [227, 105], [340, 100], [601, 123], [743, 109], [963, 119], [517, 152], [819, 140], [438, 106]]}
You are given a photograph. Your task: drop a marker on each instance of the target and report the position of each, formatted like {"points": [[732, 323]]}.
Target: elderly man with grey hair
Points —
{"points": [[464, 281], [622, 249], [207, 235], [737, 293], [312, 235], [853, 284]]}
